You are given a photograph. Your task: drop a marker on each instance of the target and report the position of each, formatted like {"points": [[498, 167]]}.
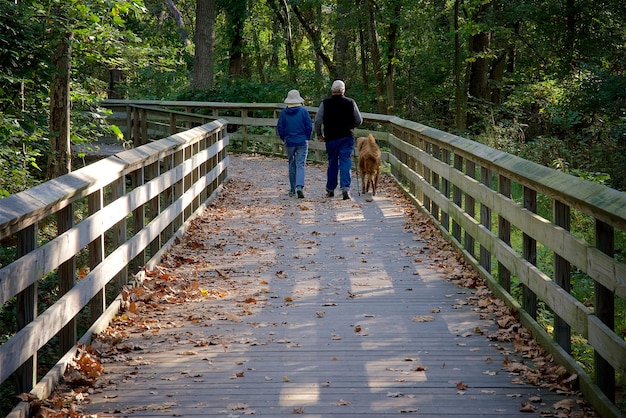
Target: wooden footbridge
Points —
{"points": [[247, 301]]}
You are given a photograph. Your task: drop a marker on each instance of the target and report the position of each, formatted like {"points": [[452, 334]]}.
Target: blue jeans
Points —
{"points": [[297, 159], [339, 163]]}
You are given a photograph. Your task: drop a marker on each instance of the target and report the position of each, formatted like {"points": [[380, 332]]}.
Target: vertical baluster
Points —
{"points": [[562, 331], [26, 310], [529, 252], [485, 219], [605, 310], [67, 278], [457, 198], [97, 305], [504, 233]]}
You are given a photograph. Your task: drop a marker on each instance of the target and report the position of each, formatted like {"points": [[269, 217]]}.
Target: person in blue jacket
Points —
{"points": [[295, 128]]}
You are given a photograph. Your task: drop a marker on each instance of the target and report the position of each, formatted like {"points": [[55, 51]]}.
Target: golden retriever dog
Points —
{"points": [[369, 162]]}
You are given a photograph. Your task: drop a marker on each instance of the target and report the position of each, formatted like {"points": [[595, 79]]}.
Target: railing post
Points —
{"points": [[485, 219], [143, 139], [434, 181], [195, 176], [168, 198], [244, 131], [605, 311], [152, 172], [504, 233], [562, 273], [118, 189], [457, 198], [139, 217], [67, 278], [135, 127], [26, 310], [173, 128], [95, 202], [470, 209], [529, 252], [179, 188], [427, 175], [129, 123], [445, 190]]}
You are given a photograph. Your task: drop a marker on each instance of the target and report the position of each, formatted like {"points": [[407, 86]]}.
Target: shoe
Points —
{"points": [[330, 193], [346, 196], [300, 193], [292, 194]]}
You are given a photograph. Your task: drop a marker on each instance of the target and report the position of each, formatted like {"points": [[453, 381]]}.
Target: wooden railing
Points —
{"points": [[487, 203], [102, 225]]}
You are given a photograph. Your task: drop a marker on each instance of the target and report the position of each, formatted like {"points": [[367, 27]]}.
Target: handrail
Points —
{"points": [[140, 200], [468, 191]]}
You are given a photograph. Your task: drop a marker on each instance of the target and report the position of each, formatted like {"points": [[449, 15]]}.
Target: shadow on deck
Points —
{"points": [[276, 306]]}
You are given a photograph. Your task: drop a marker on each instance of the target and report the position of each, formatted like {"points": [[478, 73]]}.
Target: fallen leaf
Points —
{"points": [[423, 318], [566, 404], [527, 407]]}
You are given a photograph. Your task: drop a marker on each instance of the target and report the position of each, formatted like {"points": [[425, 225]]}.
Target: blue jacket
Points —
{"points": [[294, 126]]}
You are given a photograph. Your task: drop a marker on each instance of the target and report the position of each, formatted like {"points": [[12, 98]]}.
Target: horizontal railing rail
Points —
{"points": [[489, 204], [102, 224]]}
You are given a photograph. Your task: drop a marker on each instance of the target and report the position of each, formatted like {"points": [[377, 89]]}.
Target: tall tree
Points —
{"points": [[236, 15], [60, 157], [310, 17], [283, 16], [392, 42], [204, 59], [372, 32], [178, 17]]}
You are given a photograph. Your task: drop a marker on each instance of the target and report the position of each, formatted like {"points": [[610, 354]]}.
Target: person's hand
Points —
{"points": [[321, 139]]}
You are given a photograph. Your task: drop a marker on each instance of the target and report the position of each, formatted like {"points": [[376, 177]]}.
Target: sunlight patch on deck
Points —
{"points": [[299, 394]]}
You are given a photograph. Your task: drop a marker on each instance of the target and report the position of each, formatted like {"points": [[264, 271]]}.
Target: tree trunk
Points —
{"points": [[116, 76], [205, 45], [236, 14], [284, 20], [376, 63], [479, 76], [478, 89], [342, 53], [60, 157], [460, 98], [178, 17], [313, 33], [496, 76], [392, 40]]}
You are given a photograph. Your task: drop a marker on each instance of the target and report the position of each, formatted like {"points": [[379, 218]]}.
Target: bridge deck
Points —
{"points": [[322, 307]]}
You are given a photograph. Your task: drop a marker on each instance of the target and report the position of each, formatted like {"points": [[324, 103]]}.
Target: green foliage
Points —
{"points": [[18, 157]]}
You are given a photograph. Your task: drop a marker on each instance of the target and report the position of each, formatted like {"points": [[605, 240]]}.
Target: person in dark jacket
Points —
{"points": [[295, 128], [335, 121]]}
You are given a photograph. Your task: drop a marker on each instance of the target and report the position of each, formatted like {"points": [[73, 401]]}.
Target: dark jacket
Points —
{"points": [[294, 126], [339, 115]]}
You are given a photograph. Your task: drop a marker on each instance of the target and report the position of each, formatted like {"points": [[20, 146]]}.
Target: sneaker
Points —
{"points": [[330, 193], [346, 196], [300, 193], [292, 194]]}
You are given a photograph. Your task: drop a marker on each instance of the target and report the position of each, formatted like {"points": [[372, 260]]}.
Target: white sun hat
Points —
{"points": [[293, 97]]}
